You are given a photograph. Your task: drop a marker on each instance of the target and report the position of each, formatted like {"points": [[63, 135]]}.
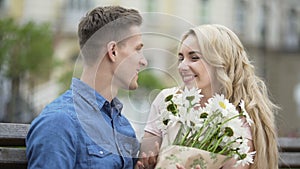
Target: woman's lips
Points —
{"points": [[188, 78]]}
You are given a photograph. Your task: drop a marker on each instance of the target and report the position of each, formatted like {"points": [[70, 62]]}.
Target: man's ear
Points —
{"points": [[111, 50]]}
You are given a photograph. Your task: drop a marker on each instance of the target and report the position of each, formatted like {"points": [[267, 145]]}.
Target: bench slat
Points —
{"points": [[13, 166], [13, 155], [287, 144], [289, 160], [12, 134]]}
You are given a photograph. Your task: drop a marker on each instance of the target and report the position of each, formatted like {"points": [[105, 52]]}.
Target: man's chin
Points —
{"points": [[133, 87]]}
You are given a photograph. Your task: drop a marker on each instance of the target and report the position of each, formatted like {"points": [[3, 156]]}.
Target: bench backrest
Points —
{"points": [[289, 152], [12, 148], [12, 145]]}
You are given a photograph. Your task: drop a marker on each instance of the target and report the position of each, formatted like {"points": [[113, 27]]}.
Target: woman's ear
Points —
{"points": [[111, 50]]}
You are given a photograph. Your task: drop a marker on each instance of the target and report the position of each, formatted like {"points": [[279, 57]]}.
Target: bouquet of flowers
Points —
{"points": [[205, 136]]}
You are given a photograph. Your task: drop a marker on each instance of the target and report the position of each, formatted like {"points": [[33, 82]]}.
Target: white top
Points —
{"points": [[154, 114]]}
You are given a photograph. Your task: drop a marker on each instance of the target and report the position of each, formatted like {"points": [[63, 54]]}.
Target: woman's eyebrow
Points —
{"points": [[190, 53], [194, 52]]}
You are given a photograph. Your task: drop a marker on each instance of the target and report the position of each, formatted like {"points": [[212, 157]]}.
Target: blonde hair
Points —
{"points": [[223, 50]]}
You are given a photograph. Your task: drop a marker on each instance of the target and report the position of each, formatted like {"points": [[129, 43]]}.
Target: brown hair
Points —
{"points": [[104, 24]]}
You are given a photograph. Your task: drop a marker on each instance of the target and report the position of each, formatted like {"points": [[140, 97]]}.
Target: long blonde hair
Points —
{"points": [[223, 50]]}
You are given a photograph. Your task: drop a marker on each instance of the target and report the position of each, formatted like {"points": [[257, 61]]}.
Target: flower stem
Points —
{"points": [[210, 133], [218, 143], [176, 141], [185, 136], [226, 147]]}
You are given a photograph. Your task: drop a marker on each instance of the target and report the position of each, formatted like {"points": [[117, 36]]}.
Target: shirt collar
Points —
{"points": [[91, 96], [103, 103]]}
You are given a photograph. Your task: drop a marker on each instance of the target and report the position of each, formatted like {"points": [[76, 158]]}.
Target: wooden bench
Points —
{"points": [[12, 145], [12, 148], [289, 152]]}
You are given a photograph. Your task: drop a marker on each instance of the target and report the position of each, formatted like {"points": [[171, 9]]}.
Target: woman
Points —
{"points": [[211, 57]]}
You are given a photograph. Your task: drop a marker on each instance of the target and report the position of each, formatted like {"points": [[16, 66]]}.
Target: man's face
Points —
{"points": [[130, 59]]}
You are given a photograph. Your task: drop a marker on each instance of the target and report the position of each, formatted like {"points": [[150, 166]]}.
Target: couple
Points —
{"points": [[84, 127]]}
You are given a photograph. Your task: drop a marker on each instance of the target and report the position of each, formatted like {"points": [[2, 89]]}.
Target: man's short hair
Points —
{"points": [[102, 25]]}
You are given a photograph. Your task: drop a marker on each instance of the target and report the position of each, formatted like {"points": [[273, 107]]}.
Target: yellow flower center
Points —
{"points": [[222, 105]]}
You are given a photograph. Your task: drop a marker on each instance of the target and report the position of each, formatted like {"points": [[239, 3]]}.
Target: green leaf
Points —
{"points": [[168, 98], [190, 98], [166, 121], [172, 108], [203, 115]]}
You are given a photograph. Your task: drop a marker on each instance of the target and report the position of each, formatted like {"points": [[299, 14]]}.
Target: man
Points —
{"points": [[84, 127]]}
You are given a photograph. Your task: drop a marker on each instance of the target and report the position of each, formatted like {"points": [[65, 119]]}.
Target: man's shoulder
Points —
{"points": [[55, 115], [61, 108], [62, 102], [54, 120]]}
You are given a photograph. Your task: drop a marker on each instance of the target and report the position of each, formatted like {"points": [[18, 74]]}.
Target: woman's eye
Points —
{"points": [[180, 58], [195, 57]]}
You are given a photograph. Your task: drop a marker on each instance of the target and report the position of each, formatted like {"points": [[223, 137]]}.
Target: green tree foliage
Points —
{"points": [[26, 55], [149, 81]]}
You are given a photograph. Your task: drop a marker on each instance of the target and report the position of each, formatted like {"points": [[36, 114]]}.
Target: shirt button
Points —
{"points": [[101, 152]]}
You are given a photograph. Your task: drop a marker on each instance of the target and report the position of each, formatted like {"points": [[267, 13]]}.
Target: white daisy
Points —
{"points": [[191, 96], [245, 113], [163, 121], [247, 160], [219, 103]]}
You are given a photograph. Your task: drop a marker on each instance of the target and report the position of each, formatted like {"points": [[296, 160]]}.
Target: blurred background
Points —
{"points": [[39, 51]]}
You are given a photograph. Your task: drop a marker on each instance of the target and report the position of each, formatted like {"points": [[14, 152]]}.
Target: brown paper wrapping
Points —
{"points": [[189, 158]]}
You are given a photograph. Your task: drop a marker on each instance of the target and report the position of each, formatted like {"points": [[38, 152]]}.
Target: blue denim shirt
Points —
{"points": [[81, 130]]}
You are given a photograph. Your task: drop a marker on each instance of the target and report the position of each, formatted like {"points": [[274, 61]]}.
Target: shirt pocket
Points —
{"points": [[98, 151], [101, 157]]}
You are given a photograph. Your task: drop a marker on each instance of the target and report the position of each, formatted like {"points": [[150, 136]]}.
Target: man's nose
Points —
{"points": [[143, 61]]}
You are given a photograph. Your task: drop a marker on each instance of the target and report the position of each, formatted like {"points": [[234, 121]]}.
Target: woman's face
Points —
{"points": [[193, 68]]}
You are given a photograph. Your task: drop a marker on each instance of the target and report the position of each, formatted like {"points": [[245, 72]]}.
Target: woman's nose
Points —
{"points": [[183, 65]]}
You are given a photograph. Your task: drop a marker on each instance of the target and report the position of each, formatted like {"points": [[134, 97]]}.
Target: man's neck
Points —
{"points": [[101, 82]]}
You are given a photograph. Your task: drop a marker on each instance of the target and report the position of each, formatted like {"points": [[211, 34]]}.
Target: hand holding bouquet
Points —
{"points": [[205, 136]]}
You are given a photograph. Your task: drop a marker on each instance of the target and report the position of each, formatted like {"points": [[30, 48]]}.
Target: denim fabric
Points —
{"points": [[81, 130]]}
